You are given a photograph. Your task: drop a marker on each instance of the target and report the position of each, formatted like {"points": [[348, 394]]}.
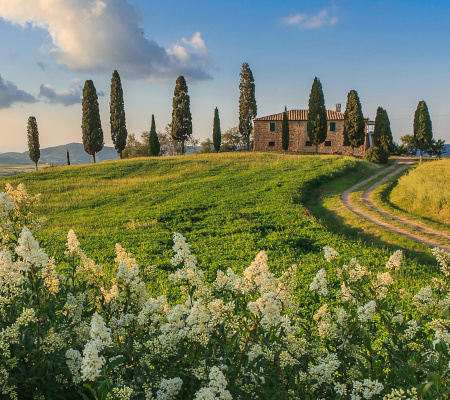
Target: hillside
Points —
{"points": [[229, 206], [57, 155]]}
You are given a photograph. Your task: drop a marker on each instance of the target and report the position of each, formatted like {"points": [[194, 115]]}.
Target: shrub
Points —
{"points": [[376, 155], [354, 335]]}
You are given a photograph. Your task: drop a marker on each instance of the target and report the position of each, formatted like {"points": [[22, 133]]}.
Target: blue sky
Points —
{"points": [[394, 53]]}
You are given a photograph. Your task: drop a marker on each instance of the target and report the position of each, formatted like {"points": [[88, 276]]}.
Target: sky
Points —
{"points": [[393, 53]]}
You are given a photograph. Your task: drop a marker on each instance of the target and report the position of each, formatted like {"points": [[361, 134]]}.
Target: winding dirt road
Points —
{"points": [[418, 227]]}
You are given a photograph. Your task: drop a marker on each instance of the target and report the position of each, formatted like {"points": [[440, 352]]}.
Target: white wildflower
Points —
{"points": [[443, 258], [72, 244], [367, 311], [319, 283], [395, 260], [367, 389], [411, 331], [169, 389], [325, 370], [330, 254], [216, 390], [424, 300], [74, 360]]}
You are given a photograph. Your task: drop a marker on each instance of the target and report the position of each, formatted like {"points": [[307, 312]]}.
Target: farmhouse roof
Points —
{"points": [[300, 115]]}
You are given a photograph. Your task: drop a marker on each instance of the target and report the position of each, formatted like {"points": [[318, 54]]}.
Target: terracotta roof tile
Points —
{"points": [[300, 115]]}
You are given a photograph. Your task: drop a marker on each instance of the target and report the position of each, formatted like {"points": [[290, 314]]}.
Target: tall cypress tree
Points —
{"points": [[68, 157], [423, 133], [354, 126], [181, 114], [91, 125], [34, 150], [247, 103], [317, 115], [153, 140], [382, 134], [117, 114], [285, 132], [217, 135]]}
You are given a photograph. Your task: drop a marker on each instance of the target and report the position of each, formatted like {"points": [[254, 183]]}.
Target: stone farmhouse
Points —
{"points": [[267, 133]]}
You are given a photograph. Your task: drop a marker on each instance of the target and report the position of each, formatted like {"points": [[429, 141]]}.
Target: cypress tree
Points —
{"points": [[423, 134], [317, 115], [33, 141], [354, 126], [117, 114], [247, 103], [153, 140], [91, 125], [181, 114], [382, 134], [217, 135], [285, 132], [68, 158]]}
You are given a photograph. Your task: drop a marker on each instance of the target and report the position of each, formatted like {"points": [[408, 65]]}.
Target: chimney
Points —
{"points": [[338, 107]]}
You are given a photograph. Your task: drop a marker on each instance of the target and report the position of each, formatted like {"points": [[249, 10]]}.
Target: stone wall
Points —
{"points": [[264, 140]]}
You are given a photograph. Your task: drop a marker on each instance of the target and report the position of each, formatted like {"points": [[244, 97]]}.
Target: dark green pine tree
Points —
{"points": [[354, 125], [382, 134], [423, 133], [117, 114], [181, 114], [153, 141], [91, 125], [285, 131], [217, 134], [317, 115], [68, 158], [33, 141], [247, 103]]}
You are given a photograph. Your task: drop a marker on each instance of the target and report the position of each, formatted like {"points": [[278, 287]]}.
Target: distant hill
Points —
{"points": [[58, 155]]}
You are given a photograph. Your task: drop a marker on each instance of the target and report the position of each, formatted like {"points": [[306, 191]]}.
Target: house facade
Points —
{"points": [[267, 133]]}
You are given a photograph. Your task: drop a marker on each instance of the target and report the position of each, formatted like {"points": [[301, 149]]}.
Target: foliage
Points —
{"points": [[117, 114], [354, 126], [247, 104], [285, 132], [317, 115], [91, 125], [206, 146], [423, 134], [68, 157], [425, 191], [382, 134], [399, 149], [181, 128], [232, 140], [410, 143], [353, 332], [153, 141], [34, 151], [217, 135], [437, 148], [377, 155]]}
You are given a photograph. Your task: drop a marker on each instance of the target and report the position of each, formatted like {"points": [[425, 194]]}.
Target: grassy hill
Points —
{"points": [[229, 206], [57, 155]]}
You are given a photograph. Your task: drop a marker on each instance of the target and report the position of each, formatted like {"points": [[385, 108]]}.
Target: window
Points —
{"points": [[271, 144], [308, 144], [328, 143], [272, 127], [332, 127]]}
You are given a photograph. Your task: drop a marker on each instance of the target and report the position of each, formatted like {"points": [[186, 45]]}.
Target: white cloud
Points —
{"points": [[66, 97], [10, 94], [98, 36], [304, 21]]}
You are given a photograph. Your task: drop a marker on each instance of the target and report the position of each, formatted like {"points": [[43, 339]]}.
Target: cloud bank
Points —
{"points": [[10, 94], [103, 35], [66, 97], [304, 21]]}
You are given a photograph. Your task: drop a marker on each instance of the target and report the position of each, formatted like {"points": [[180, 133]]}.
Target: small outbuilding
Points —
{"points": [[267, 133]]}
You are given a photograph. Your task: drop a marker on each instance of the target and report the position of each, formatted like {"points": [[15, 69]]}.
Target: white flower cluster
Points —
{"points": [[324, 371], [400, 394], [367, 389], [73, 245], [216, 390], [443, 258], [395, 261], [330, 254], [411, 331], [11, 334], [319, 283], [424, 300], [366, 312], [168, 389], [183, 256]]}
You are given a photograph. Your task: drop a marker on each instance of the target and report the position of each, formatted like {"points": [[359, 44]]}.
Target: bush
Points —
{"points": [[352, 333], [376, 155]]}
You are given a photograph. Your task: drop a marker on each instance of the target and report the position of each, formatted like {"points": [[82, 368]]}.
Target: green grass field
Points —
{"points": [[229, 207]]}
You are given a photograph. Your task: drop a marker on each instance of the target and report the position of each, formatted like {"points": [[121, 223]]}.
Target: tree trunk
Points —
{"points": [[120, 154], [421, 158], [182, 147], [317, 148], [248, 143], [35, 165], [93, 157], [353, 151]]}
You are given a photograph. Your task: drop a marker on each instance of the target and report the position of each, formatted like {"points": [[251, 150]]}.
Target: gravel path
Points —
{"points": [[418, 227]]}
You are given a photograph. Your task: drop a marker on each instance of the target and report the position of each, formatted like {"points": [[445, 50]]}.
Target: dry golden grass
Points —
{"points": [[425, 191]]}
